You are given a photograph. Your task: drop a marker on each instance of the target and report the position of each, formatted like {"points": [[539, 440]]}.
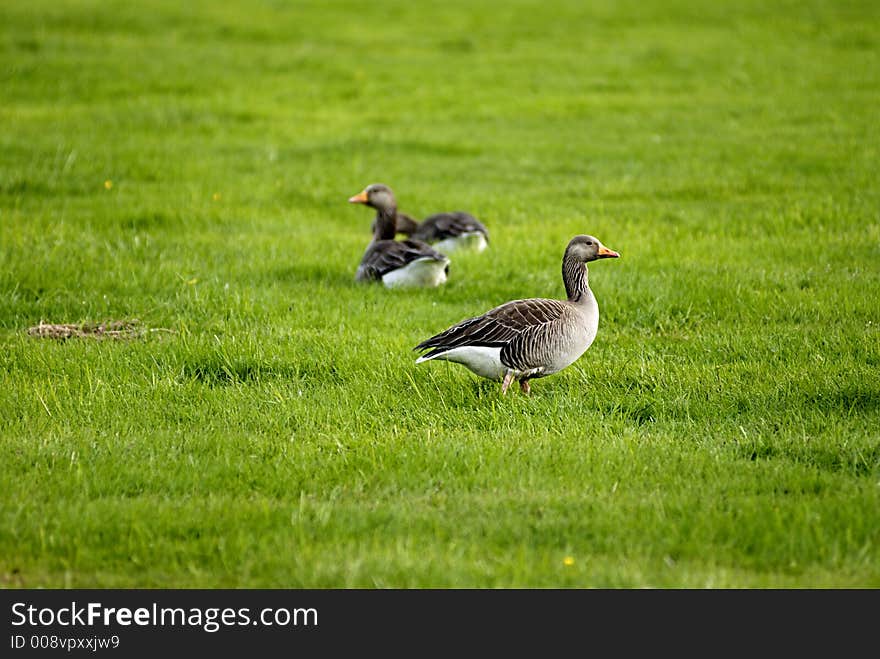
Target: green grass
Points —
{"points": [[723, 431]]}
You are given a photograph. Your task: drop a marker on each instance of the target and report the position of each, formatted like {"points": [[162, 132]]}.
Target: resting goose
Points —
{"points": [[447, 231], [526, 339], [396, 263]]}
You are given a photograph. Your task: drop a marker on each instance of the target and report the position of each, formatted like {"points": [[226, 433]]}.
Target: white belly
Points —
{"points": [[485, 362], [475, 241], [421, 272]]}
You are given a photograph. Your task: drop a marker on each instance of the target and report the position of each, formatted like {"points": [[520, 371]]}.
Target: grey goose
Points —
{"points": [[396, 263], [526, 339], [447, 232]]}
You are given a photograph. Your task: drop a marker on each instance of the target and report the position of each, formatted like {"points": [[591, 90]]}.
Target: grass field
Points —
{"points": [[189, 167]]}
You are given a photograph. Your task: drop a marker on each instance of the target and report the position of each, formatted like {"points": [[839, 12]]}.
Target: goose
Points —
{"points": [[532, 338], [395, 263], [447, 232]]}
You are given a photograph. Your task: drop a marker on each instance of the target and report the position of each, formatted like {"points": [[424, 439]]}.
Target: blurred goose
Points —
{"points": [[532, 338], [396, 263], [447, 231]]}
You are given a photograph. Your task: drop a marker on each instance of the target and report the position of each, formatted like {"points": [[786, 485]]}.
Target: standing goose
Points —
{"points": [[396, 263], [447, 231], [526, 339]]}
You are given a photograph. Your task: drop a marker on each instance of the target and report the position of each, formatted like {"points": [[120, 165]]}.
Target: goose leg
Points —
{"points": [[508, 378], [524, 386]]}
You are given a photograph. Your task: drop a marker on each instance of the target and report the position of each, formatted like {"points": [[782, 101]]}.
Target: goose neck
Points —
{"points": [[385, 224], [576, 280]]}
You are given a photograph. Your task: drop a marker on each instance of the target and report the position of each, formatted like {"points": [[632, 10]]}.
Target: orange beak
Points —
{"points": [[605, 253], [359, 198]]}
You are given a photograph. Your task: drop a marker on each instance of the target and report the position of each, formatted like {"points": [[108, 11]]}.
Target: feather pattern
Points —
{"points": [[383, 256], [497, 327]]}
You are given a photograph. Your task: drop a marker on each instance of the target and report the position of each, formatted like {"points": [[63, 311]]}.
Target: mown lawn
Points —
{"points": [[189, 167]]}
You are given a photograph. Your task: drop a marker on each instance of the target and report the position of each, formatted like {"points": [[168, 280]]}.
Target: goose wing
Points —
{"points": [[383, 256], [500, 327], [448, 225]]}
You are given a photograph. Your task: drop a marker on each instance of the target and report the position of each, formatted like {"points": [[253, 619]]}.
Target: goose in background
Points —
{"points": [[532, 338], [447, 232], [405, 263]]}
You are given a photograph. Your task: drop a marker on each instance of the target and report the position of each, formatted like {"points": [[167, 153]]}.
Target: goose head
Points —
{"points": [[376, 195], [587, 248]]}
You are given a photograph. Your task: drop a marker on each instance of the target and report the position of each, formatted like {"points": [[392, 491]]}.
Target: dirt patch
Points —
{"points": [[111, 329]]}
